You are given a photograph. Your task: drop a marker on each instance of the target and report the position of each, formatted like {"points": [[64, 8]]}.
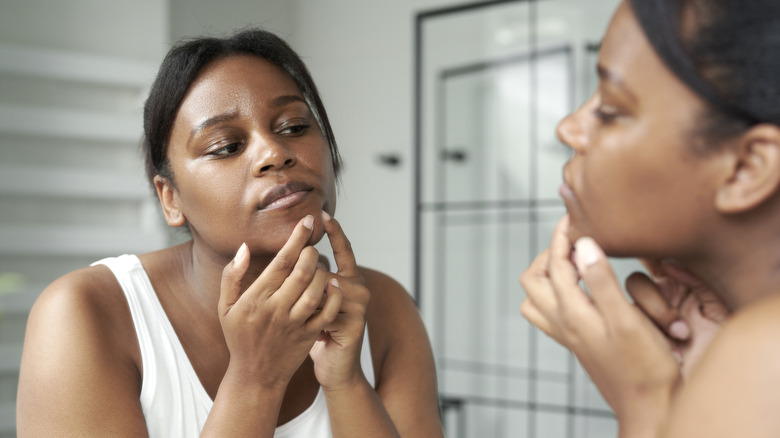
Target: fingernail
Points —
{"points": [[586, 252], [334, 283], [241, 252], [308, 221], [325, 215], [679, 330]]}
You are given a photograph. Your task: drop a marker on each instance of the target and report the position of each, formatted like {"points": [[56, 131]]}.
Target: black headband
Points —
{"points": [[660, 20]]}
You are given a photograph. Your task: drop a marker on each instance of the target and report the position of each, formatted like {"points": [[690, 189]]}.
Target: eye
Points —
{"points": [[226, 151], [606, 113], [294, 128]]}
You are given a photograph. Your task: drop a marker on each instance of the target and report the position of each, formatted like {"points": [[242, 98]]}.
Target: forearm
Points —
{"points": [[243, 409], [357, 411], [637, 431], [645, 420]]}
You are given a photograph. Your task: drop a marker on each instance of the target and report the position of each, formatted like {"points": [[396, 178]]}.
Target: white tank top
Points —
{"points": [[174, 403]]}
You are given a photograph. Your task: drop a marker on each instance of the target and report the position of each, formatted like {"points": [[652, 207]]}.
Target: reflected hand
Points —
{"points": [[682, 306], [626, 356]]}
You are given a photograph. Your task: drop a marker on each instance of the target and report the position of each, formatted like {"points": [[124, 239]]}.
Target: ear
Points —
{"points": [[169, 197], [755, 174]]}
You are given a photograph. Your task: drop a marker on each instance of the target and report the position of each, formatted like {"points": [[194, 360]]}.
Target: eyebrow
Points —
{"points": [[211, 121], [286, 99], [609, 76]]}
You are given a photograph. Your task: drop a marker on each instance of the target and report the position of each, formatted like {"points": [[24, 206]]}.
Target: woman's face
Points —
{"points": [[635, 182], [248, 158]]}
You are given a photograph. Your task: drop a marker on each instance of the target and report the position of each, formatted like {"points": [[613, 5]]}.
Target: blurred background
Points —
{"points": [[444, 112]]}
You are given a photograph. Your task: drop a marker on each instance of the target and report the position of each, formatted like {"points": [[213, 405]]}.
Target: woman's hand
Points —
{"points": [[336, 354], [626, 356], [271, 326], [682, 306]]}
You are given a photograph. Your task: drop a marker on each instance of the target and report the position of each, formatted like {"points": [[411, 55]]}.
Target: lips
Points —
{"points": [[565, 191], [284, 195]]}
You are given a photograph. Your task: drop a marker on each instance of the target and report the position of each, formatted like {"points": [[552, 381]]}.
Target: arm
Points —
{"points": [[406, 382], [78, 375], [404, 402]]}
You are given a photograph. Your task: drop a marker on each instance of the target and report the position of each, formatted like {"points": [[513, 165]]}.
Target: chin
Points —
{"points": [[575, 230], [318, 233]]}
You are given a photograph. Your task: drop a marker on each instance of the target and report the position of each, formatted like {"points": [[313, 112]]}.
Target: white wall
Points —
{"points": [[73, 75], [190, 18], [137, 29]]}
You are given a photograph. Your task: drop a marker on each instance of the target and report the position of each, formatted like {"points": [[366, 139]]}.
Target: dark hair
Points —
{"points": [[730, 56], [182, 65]]}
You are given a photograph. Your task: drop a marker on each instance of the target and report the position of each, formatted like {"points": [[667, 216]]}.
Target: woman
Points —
{"points": [[676, 157], [241, 331]]}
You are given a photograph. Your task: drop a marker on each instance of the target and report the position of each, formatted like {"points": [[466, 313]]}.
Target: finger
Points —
{"points": [[654, 267], [711, 306], [650, 299], [595, 271], [230, 287], [323, 263], [535, 317], [538, 289], [342, 248], [297, 283], [311, 298], [330, 311], [563, 273], [283, 264], [679, 273]]}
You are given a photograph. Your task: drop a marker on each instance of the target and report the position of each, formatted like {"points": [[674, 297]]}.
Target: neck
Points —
{"points": [[742, 269], [202, 266]]}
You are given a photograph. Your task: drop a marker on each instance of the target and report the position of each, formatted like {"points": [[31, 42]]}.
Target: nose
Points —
{"points": [[272, 155], [572, 129]]}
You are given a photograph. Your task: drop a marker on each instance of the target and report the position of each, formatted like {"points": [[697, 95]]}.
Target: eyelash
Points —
{"points": [[218, 152], [295, 129], [606, 117]]}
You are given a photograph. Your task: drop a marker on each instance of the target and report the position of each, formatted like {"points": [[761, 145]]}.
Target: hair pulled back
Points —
{"points": [[182, 65], [726, 51]]}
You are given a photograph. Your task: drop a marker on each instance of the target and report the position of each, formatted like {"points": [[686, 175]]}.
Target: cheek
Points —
{"points": [[329, 201], [321, 164], [208, 199]]}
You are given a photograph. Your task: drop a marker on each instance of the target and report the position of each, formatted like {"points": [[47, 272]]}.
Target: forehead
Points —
{"points": [[624, 49], [627, 54], [234, 82]]}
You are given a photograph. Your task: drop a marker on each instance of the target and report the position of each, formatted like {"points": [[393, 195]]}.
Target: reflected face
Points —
{"points": [[636, 183], [248, 158]]}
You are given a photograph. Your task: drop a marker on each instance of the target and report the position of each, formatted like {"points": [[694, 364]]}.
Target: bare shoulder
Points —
{"points": [[390, 303], [392, 315], [86, 299], [750, 340], [385, 290], [79, 361], [733, 391]]}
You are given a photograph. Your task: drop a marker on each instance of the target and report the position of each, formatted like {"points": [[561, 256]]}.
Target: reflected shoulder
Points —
{"points": [[732, 392]]}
